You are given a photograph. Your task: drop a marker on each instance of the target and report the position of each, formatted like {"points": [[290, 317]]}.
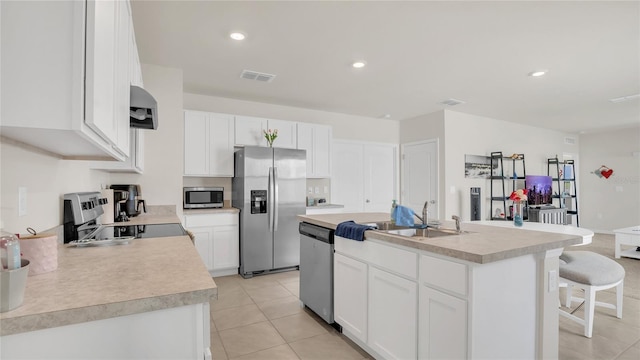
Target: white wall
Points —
{"points": [[609, 204], [476, 135], [161, 182], [463, 134], [427, 127], [46, 178]]}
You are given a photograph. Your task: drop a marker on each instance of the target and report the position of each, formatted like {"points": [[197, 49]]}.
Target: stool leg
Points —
{"points": [[567, 298], [589, 310], [619, 288]]}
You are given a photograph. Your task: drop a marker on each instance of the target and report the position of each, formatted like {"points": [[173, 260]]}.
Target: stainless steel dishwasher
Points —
{"points": [[316, 269]]}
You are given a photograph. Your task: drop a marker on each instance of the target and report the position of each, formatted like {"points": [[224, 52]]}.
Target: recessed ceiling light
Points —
{"points": [[359, 64], [386, 116], [237, 36], [537, 73]]}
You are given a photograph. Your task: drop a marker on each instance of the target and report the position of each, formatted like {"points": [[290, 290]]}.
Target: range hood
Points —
{"points": [[143, 109]]}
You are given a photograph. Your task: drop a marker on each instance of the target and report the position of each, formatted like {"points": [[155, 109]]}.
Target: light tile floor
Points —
{"points": [[261, 318]]}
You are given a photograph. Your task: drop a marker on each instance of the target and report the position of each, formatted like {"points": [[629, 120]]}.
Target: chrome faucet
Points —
{"points": [[457, 219], [425, 218]]}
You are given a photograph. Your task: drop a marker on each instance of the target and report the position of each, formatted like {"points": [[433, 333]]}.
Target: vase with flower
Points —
{"points": [[519, 197], [270, 135]]}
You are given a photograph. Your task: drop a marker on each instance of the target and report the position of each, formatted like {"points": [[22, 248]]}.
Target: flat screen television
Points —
{"points": [[539, 190]]}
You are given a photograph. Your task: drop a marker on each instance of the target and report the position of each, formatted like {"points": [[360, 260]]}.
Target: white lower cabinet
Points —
{"points": [[217, 241], [398, 302], [377, 308], [350, 295], [443, 325], [392, 329]]}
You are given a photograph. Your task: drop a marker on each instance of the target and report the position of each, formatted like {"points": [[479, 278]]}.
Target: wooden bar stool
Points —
{"points": [[591, 272]]}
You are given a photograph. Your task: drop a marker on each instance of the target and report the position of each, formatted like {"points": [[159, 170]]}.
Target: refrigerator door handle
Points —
{"points": [[270, 199], [276, 198]]}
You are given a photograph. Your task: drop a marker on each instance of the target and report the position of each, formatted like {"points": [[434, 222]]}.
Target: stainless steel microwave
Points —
{"points": [[203, 197]]}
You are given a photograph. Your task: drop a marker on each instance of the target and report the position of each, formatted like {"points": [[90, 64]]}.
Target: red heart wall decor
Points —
{"points": [[606, 173]]}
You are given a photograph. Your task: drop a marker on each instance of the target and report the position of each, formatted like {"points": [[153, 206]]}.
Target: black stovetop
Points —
{"points": [[140, 231]]}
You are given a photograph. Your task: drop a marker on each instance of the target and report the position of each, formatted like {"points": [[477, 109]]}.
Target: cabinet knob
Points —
{"points": [[368, 201]]}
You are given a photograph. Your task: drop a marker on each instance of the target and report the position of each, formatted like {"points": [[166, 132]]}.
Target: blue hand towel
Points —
{"points": [[403, 216], [351, 230]]}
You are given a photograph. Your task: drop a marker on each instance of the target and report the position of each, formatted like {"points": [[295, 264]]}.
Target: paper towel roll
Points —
{"points": [[42, 252], [107, 217]]}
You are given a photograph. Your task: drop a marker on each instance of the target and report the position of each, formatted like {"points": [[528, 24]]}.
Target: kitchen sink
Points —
{"points": [[415, 231], [428, 232]]}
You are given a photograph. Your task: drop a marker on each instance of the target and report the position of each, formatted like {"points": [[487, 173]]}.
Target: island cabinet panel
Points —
{"points": [[174, 333], [444, 274], [208, 144], [217, 241], [442, 325], [392, 329], [422, 305], [350, 296]]}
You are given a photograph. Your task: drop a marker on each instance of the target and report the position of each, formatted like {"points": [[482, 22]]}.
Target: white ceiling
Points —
{"points": [[418, 53]]}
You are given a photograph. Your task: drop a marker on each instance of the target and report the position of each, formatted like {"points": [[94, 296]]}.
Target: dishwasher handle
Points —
{"points": [[316, 232]]}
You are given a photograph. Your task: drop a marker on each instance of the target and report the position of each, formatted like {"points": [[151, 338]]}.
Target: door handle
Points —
{"points": [[270, 200], [276, 198]]}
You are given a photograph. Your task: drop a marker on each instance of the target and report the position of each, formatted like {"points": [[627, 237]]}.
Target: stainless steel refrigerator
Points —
{"points": [[269, 189]]}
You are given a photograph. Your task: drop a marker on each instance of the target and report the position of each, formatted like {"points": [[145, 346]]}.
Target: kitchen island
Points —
{"points": [[147, 299], [490, 292]]}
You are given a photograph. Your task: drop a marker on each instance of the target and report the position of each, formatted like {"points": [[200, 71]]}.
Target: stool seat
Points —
{"points": [[590, 272], [586, 267]]}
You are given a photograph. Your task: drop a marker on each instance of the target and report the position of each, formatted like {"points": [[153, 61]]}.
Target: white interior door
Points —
{"points": [[379, 177], [346, 176], [420, 176]]}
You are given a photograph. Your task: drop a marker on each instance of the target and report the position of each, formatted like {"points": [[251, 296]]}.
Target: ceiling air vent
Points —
{"points": [[570, 141], [258, 76], [451, 102]]}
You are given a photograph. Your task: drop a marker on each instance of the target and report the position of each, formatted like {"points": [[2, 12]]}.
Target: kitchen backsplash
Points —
{"points": [[319, 188]]}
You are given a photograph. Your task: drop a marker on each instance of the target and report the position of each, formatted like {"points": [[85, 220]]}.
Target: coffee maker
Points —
{"points": [[127, 201]]}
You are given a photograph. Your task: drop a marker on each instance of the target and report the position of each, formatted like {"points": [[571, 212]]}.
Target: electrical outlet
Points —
{"points": [[22, 201], [310, 190]]}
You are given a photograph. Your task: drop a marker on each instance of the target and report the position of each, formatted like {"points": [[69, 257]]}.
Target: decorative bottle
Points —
{"points": [[393, 212], [10, 251]]}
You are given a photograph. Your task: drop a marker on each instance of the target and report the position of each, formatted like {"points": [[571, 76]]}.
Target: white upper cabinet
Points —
{"points": [[65, 76], [134, 163], [316, 140], [208, 144], [135, 69], [287, 131], [249, 131]]}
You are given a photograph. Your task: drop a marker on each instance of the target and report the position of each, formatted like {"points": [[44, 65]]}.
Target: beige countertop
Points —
{"points": [[94, 283], [481, 244]]}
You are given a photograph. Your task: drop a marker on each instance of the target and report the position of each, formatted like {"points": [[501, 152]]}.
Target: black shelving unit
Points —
{"points": [[503, 183], [566, 195]]}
